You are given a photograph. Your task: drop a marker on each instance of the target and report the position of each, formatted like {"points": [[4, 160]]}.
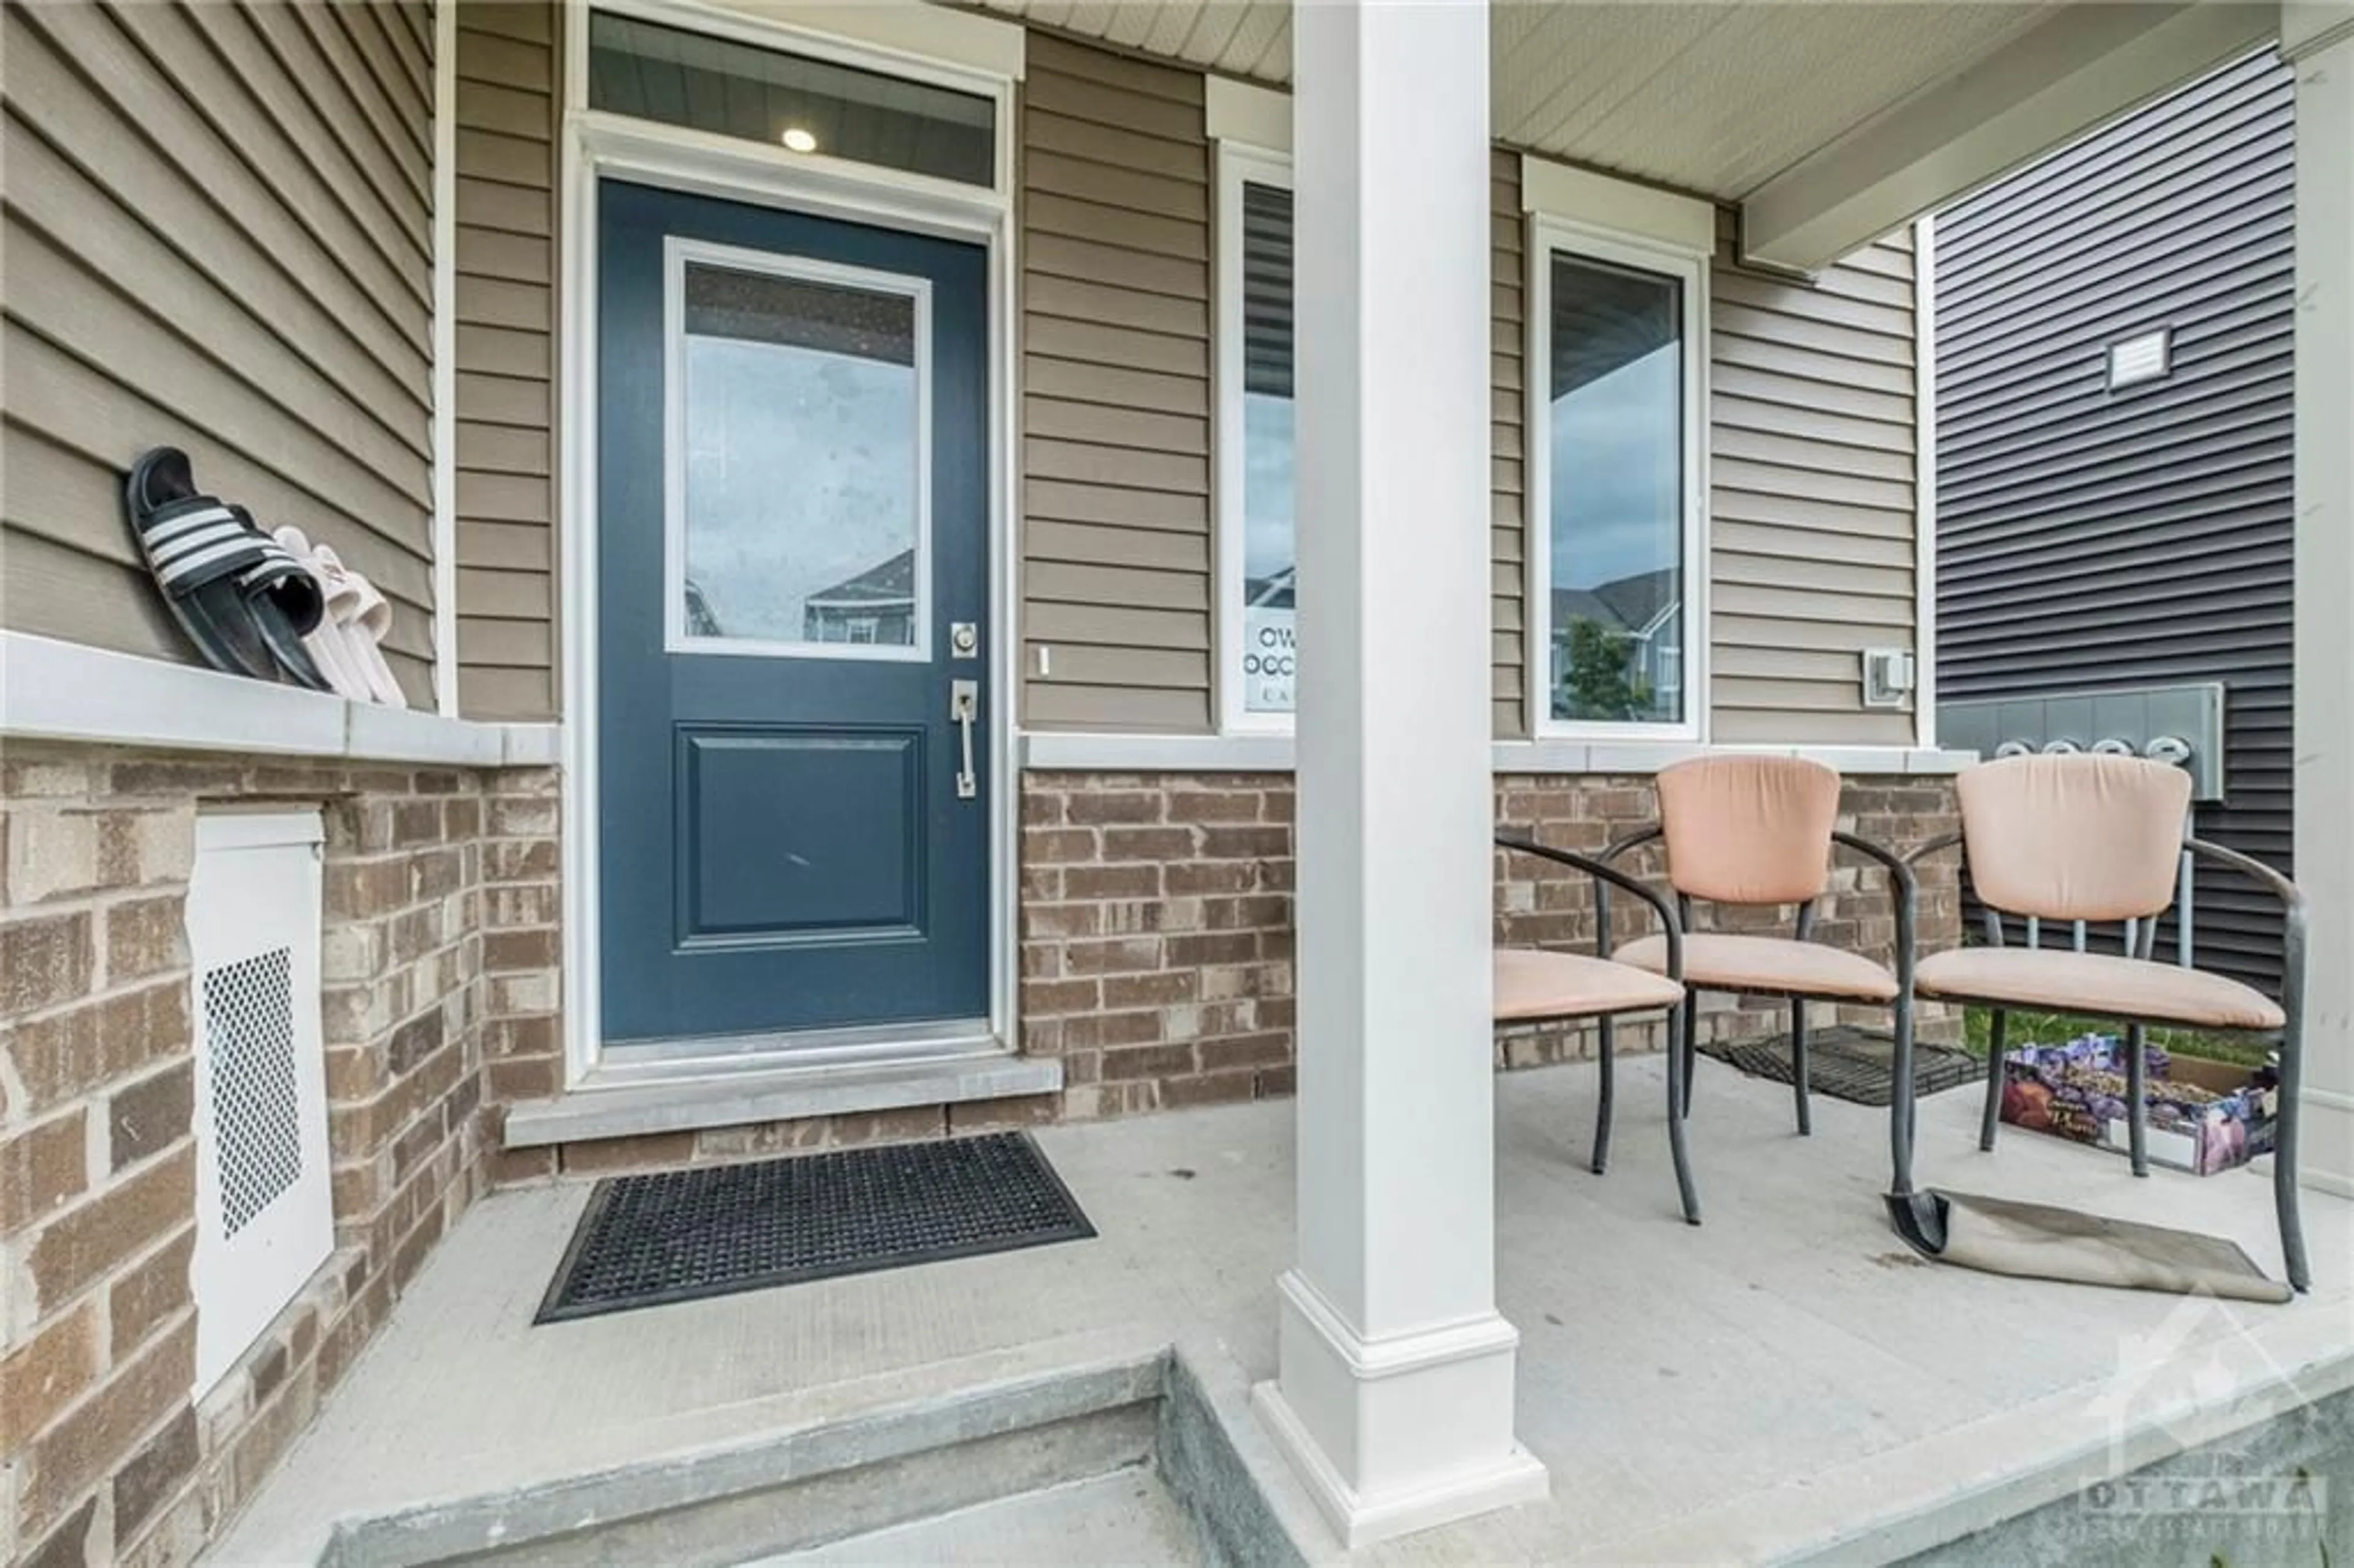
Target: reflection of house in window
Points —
{"points": [[1629, 654], [1270, 592], [878, 605], [700, 621]]}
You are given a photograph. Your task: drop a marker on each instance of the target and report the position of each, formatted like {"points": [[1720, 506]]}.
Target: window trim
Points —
{"points": [[1548, 234], [1238, 163]]}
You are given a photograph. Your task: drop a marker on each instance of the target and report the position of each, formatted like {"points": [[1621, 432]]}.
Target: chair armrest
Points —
{"points": [[1635, 840], [1989, 916], [1900, 867], [2293, 922], [1605, 877], [1903, 890], [1941, 842], [2291, 897]]}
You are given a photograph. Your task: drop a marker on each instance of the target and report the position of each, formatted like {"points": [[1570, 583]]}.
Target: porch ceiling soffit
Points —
{"points": [[2078, 67], [2310, 25], [1709, 99], [1830, 124]]}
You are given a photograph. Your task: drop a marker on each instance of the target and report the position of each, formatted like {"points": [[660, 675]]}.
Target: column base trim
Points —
{"points": [[1361, 1520], [1399, 1434]]}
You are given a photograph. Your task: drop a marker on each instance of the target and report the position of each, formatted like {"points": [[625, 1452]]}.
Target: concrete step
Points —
{"points": [[799, 1490], [1126, 1518]]}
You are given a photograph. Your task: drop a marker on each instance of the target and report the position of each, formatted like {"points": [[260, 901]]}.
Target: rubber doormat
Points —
{"points": [[682, 1235], [1851, 1065]]}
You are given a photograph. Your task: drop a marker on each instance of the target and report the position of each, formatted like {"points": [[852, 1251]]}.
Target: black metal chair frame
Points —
{"points": [[2292, 1044], [1904, 893], [1604, 878]]}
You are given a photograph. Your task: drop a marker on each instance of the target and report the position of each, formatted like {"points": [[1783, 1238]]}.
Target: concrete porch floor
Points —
{"points": [[1785, 1381]]}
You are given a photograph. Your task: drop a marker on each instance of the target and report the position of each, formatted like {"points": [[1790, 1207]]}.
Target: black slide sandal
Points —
{"points": [[242, 599], [287, 604]]}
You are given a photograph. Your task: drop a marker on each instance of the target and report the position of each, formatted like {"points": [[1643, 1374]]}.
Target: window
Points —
{"points": [[1615, 506], [798, 489], [1255, 440], [812, 106]]}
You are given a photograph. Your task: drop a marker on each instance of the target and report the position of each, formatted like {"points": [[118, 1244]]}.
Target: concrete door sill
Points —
{"points": [[785, 1093]]}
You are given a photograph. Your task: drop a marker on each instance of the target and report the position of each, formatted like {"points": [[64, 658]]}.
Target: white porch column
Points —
{"points": [[2318, 40], [1395, 1399]]}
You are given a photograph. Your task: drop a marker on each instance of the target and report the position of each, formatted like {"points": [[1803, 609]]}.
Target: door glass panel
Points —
{"points": [[705, 83], [801, 526]]}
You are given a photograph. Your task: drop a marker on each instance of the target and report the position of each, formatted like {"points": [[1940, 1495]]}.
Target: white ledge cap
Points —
{"points": [[52, 690]]}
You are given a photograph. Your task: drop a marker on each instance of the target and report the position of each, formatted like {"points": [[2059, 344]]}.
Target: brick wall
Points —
{"points": [[1157, 940], [1155, 951], [1156, 937], [427, 875]]}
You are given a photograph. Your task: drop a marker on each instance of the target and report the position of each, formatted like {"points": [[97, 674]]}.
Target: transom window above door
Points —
{"points": [[815, 107]]}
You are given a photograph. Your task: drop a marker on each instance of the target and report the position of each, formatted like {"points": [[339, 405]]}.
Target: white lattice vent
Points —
{"points": [[256, 1110], [265, 1210]]}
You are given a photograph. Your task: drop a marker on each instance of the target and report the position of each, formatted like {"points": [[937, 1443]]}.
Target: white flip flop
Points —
{"points": [[365, 616], [328, 643]]}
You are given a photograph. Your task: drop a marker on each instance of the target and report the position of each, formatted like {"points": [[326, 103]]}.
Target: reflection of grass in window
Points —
{"points": [[2028, 1028]]}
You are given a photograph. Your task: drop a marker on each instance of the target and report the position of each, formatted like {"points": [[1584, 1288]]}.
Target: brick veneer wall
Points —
{"points": [[436, 885], [1157, 939], [1156, 950]]}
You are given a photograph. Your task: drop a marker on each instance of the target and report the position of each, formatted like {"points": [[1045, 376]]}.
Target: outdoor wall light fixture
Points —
{"points": [[800, 139]]}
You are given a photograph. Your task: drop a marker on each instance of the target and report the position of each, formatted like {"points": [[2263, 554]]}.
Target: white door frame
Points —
{"points": [[594, 144]]}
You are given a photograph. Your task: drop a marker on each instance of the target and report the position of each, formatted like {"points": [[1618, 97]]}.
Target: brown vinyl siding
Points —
{"points": [[1507, 457], [1115, 555], [507, 72], [1812, 518], [218, 235]]}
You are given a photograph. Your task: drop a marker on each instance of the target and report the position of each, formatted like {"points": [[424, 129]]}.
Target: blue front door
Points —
{"points": [[792, 621]]}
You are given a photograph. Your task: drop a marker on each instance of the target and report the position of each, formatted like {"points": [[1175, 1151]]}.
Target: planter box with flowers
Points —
{"points": [[2204, 1117]]}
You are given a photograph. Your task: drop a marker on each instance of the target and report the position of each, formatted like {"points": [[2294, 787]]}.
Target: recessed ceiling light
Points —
{"points": [[798, 139]]}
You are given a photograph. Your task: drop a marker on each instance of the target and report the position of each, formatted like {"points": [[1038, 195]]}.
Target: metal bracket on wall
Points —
{"points": [[2145, 721]]}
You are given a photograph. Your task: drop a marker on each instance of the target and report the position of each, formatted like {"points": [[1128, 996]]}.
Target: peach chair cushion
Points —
{"points": [[1767, 966], [1749, 829], [1532, 985], [2103, 984], [2083, 837]]}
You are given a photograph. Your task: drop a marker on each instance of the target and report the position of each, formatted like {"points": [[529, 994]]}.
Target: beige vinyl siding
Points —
{"points": [[1115, 422], [218, 235], [1812, 514], [1507, 457], [507, 72], [1812, 527]]}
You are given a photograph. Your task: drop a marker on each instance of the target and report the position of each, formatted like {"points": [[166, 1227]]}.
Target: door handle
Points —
{"points": [[964, 705]]}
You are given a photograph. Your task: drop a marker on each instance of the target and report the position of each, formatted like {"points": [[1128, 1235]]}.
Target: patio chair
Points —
{"points": [[1535, 986], [1748, 832], [2097, 838]]}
